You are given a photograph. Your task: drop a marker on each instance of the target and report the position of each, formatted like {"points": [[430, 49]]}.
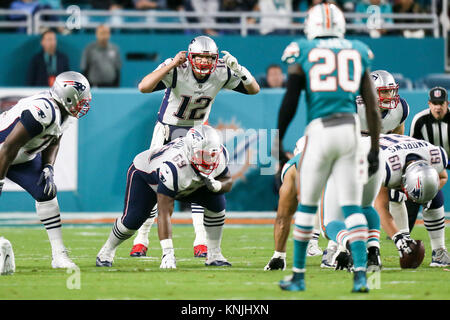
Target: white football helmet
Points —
{"points": [[72, 91], [204, 148], [420, 182], [203, 46], [325, 20], [387, 89]]}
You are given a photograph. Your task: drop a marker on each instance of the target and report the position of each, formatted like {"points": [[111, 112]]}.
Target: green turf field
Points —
{"points": [[247, 248]]}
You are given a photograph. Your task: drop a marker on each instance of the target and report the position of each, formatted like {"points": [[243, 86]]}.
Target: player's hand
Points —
{"points": [[373, 161], [179, 59], [211, 183], [276, 264], [2, 183], [402, 242], [343, 260], [231, 62], [46, 178], [168, 261]]}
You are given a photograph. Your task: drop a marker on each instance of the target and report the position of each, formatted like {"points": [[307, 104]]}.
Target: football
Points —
{"points": [[413, 260]]}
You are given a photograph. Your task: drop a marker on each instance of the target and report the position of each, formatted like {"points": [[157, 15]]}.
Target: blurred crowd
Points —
{"points": [[269, 25]]}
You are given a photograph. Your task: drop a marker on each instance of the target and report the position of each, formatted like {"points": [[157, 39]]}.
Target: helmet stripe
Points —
{"points": [[327, 16]]}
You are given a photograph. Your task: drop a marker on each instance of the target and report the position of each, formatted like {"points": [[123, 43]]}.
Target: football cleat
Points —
{"points": [[313, 249], [200, 251], [327, 258], [62, 260], [7, 263], [440, 258], [276, 264], [373, 259], [138, 250], [168, 261], [105, 257], [216, 259], [294, 282], [360, 282]]}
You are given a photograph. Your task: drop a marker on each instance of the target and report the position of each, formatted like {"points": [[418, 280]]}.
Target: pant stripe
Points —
{"points": [[129, 183], [299, 167]]}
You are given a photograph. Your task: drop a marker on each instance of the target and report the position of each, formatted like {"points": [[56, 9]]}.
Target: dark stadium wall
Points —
{"points": [[120, 124], [141, 53]]}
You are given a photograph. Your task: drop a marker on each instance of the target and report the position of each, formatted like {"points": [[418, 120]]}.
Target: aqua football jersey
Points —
{"points": [[334, 68]]}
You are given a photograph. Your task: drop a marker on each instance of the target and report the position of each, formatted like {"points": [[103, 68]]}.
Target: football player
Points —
{"points": [[394, 111], [416, 168], [192, 169], [30, 133], [191, 84], [7, 262], [332, 71], [329, 211]]}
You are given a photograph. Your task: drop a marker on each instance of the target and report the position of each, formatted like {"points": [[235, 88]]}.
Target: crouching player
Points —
{"points": [[30, 133], [192, 169]]}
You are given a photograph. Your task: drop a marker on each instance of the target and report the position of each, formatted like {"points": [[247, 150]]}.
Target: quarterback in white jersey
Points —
{"points": [[190, 169], [191, 84], [417, 168], [394, 109], [30, 133]]}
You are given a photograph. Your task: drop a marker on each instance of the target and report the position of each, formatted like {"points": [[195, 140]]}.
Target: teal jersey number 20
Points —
{"points": [[333, 68]]}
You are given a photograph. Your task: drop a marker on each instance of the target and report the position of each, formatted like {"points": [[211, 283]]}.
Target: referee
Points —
{"points": [[432, 125]]}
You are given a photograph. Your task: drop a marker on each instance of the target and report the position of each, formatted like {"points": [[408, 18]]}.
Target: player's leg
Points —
{"points": [[27, 175], [434, 221], [200, 248], [314, 169], [7, 262], [139, 200], [413, 211]]}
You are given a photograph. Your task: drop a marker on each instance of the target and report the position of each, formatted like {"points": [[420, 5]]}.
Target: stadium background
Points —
{"points": [[120, 122]]}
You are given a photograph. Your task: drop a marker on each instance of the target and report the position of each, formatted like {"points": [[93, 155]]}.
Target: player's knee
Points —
{"points": [[438, 201], [213, 219]]}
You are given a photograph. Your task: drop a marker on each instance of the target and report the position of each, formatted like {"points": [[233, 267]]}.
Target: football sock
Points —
{"points": [[337, 232], [197, 222], [356, 225], [213, 222], [304, 222], [434, 221], [373, 224], [49, 215], [144, 230], [119, 234]]}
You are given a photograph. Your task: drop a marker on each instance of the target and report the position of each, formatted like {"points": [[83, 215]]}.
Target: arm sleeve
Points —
{"points": [[289, 105]]}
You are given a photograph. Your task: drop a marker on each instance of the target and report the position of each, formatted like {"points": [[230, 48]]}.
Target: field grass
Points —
{"points": [[248, 248]]}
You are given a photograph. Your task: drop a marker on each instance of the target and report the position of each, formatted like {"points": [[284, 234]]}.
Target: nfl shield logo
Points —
{"points": [[437, 93]]}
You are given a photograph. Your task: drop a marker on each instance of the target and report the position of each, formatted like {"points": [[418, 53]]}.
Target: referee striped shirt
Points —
{"points": [[425, 127]]}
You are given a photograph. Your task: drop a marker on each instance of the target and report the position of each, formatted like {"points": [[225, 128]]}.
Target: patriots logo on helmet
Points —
{"points": [[416, 191], [77, 85], [196, 135]]}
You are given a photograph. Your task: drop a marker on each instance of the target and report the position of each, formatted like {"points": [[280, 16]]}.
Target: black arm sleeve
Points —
{"points": [[288, 108], [240, 88], [159, 86]]}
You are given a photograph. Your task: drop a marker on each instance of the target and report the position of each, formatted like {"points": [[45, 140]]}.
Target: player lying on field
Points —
{"points": [[30, 134], [192, 169]]}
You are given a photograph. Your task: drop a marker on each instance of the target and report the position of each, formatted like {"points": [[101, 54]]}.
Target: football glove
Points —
{"points": [[168, 261], [402, 242], [2, 183], [373, 160], [276, 264], [46, 178], [211, 183], [344, 260], [239, 70]]}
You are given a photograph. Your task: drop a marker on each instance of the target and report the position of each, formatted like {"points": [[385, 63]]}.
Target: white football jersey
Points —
{"points": [[45, 111], [390, 118], [187, 101], [396, 150], [169, 165]]}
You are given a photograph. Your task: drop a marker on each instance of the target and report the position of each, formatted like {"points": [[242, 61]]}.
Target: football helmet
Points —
{"points": [[420, 182], [387, 89], [203, 46], [204, 148], [73, 92], [324, 20]]}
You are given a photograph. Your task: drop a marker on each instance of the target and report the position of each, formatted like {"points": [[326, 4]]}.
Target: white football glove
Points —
{"points": [[239, 70], [402, 242], [168, 261], [211, 183]]}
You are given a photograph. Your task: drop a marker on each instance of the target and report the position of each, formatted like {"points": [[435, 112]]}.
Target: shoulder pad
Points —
{"points": [[168, 176], [43, 111]]}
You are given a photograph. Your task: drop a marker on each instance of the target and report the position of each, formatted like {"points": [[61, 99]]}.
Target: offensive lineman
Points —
{"points": [[191, 85], [30, 133], [332, 136], [190, 169]]}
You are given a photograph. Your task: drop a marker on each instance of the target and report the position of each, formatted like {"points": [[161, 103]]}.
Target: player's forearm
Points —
{"points": [[286, 210], [165, 210], [386, 219], [372, 114], [443, 177], [149, 82], [6, 158], [50, 153], [227, 184], [253, 87]]}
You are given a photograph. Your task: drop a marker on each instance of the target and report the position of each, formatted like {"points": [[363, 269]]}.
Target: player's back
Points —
{"points": [[333, 68]]}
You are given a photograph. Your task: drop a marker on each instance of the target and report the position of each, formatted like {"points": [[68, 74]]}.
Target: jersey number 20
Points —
{"points": [[320, 73]]}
